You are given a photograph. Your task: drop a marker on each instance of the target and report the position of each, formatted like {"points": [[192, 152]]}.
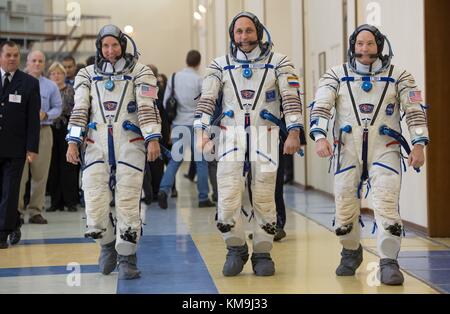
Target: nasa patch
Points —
{"points": [[390, 109], [132, 107]]}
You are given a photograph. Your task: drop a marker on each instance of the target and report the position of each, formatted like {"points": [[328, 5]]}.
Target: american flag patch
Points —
{"points": [[415, 96], [149, 91]]}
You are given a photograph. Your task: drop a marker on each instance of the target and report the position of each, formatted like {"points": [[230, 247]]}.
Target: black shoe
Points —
{"points": [[72, 208], [147, 200], [206, 203], [189, 177], [38, 219], [162, 199], [112, 203], [279, 235], [174, 193], [14, 237], [54, 208], [288, 180], [3, 240]]}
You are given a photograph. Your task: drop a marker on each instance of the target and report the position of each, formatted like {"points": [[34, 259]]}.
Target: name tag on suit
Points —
{"points": [[15, 98]]}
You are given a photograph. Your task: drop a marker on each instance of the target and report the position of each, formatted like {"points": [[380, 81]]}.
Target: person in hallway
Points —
{"points": [[20, 102], [70, 66], [188, 84], [154, 170], [252, 79], [116, 117], [279, 187], [90, 60], [51, 106], [63, 176], [288, 169], [279, 190], [368, 95]]}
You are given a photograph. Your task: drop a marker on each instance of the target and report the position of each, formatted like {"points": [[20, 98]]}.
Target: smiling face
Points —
{"points": [[366, 46], [111, 49], [245, 34], [36, 63]]}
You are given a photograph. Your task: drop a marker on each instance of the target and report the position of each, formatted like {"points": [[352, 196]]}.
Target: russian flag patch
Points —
{"points": [[293, 81]]}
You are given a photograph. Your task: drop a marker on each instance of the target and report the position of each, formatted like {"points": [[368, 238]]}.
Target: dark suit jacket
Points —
{"points": [[19, 122]]}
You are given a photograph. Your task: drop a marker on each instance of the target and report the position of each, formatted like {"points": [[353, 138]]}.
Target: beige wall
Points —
{"points": [[323, 33], [297, 57], [162, 28]]}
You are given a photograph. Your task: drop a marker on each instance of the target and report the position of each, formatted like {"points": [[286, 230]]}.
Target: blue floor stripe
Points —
{"points": [[56, 241], [444, 288], [430, 266], [45, 270], [169, 264]]}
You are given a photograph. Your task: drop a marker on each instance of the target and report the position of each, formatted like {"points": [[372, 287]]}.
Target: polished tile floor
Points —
{"points": [[181, 251]]}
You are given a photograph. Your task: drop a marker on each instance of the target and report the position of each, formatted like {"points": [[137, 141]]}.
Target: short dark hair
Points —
{"points": [[193, 58], [69, 58], [8, 43], [90, 60], [154, 69]]}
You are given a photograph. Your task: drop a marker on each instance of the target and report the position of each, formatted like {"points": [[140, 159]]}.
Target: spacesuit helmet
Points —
{"points": [[122, 38], [260, 29], [258, 25], [113, 31], [380, 40]]}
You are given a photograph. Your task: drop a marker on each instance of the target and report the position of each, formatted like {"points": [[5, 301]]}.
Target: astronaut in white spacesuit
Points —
{"points": [[251, 79], [116, 119], [368, 95]]}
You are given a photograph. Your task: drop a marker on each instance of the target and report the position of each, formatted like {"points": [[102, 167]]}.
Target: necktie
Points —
{"points": [[6, 82]]}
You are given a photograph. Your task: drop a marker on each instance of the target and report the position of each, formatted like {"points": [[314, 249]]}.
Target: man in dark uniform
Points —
{"points": [[20, 102]]}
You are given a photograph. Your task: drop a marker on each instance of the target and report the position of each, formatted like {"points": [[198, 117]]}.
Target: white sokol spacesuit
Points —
{"points": [[250, 83], [368, 100], [111, 104]]}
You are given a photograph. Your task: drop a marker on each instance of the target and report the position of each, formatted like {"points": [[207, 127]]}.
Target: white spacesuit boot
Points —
{"points": [[128, 267], [352, 252], [107, 260], [236, 258]]}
